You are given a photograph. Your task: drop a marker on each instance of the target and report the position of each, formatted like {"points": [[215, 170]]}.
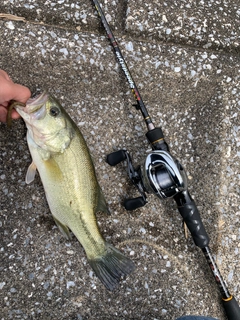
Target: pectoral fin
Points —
{"points": [[30, 173], [102, 205], [63, 228]]}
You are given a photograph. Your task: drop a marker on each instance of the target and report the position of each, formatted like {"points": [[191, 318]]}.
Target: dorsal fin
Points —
{"points": [[63, 228]]}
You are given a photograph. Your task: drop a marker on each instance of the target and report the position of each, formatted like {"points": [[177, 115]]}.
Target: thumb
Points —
{"points": [[20, 93]]}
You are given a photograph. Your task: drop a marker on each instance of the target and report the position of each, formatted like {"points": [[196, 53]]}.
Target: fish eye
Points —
{"points": [[54, 111]]}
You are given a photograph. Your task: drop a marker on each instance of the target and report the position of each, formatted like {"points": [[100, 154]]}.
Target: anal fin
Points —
{"points": [[102, 204], [63, 228]]}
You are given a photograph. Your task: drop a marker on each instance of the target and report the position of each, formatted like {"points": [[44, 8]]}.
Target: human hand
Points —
{"points": [[11, 91]]}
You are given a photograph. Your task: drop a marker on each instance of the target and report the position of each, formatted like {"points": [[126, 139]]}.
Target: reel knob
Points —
{"points": [[116, 157], [135, 203]]}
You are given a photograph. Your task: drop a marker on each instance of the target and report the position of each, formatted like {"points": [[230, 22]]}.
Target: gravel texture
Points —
{"points": [[184, 59], [207, 24]]}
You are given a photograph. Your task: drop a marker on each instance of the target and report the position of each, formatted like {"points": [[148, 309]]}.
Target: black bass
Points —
{"points": [[61, 156]]}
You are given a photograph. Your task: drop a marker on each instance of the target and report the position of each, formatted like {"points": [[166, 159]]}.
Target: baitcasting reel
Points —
{"points": [[160, 174]]}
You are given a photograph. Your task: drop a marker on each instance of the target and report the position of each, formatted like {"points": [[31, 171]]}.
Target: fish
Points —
{"points": [[62, 158]]}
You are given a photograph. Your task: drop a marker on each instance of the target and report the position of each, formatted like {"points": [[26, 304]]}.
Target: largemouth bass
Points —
{"points": [[61, 156]]}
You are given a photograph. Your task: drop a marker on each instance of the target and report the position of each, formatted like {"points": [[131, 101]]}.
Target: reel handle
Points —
{"points": [[116, 157], [134, 174], [134, 203], [191, 217]]}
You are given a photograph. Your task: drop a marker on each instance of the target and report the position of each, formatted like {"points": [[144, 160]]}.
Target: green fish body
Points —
{"points": [[61, 156]]}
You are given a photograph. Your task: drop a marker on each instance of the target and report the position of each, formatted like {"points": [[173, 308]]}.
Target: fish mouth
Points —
{"points": [[34, 108], [33, 104]]}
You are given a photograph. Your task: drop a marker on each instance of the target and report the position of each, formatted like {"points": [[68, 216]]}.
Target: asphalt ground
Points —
{"points": [[184, 57]]}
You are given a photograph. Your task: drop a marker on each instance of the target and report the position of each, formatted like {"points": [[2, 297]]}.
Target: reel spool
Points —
{"points": [[160, 174]]}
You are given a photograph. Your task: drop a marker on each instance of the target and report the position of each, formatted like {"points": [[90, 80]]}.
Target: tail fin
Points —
{"points": [[111, 267]]}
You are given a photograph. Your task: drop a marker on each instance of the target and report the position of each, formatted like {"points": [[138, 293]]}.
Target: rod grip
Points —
{"points": [[232, 308], [156, 138], [191, 217]]}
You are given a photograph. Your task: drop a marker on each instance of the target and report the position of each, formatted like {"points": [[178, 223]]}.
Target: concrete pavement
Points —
{"points": [[184, 57]]}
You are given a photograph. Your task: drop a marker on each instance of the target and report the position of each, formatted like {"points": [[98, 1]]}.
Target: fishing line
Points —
{"points": [[158, 248], [163, 175]]}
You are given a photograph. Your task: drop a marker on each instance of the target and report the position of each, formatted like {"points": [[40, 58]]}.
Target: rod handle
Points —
{"points": [[191, 217], [232, 308], [156, 138]]}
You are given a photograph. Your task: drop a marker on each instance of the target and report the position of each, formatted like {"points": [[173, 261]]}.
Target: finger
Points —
{"points": [[5, 75], [5, 104], [15, 114], [3, 114], [12, 91], [20, 93]]}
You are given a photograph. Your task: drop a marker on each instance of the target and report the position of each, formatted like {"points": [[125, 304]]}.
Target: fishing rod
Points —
{"points": [[164, 176], [154, 135]]}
